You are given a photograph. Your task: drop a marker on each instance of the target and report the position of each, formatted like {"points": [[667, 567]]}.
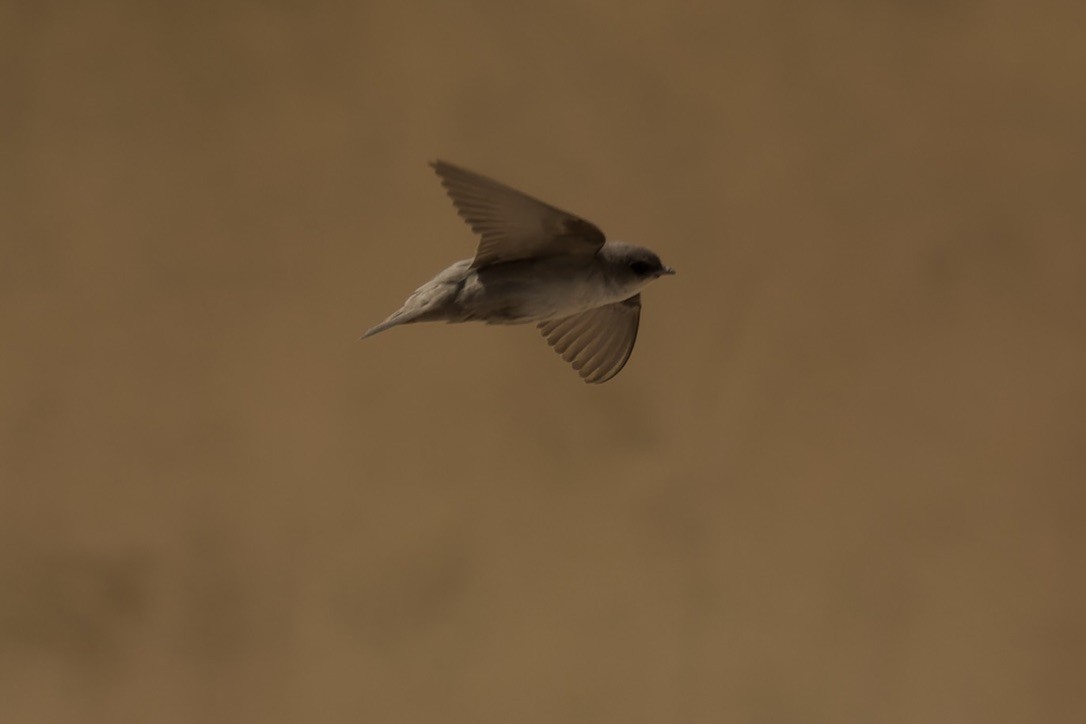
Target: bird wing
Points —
{"points": [[513, 225], [597, 342]]}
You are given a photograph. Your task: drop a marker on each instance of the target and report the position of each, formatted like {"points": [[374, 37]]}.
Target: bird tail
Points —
{"points": [[395, 319]]}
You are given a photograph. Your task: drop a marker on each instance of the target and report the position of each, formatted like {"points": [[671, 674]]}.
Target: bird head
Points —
{"points": [[633, 266]]}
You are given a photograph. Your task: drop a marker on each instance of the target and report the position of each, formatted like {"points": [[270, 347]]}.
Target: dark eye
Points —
{"points": [[641, 268]]}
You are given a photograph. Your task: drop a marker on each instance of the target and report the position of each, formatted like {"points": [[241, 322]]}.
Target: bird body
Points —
{"points": [[537, 264]]}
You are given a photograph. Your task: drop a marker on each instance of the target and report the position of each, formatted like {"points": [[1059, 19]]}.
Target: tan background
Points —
{"points": [[841, 479]]}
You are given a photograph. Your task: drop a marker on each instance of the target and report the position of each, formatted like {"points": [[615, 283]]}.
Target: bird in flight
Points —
{"points": [[536, 263]]}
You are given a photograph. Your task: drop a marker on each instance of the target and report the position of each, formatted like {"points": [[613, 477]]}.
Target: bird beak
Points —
{"points": [[667, 270]]}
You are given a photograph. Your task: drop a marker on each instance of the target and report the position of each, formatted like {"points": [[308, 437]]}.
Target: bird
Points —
{"points": [[537, 264]]}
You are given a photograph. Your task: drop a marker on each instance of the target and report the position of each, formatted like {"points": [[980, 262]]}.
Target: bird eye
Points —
{"points": [[641, 268]]}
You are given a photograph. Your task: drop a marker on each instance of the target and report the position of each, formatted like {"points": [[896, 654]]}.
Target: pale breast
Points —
{"points": [[534, 291]]}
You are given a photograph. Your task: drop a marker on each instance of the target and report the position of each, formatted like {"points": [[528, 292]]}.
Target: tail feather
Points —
{"points": [[387, 324], [396, 318]]}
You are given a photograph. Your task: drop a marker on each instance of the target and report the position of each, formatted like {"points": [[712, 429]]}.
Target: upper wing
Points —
{"points": [[514, 225], [597, 342]]}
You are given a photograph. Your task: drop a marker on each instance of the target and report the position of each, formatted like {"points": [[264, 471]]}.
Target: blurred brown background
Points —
{"points": [[841, 479]]}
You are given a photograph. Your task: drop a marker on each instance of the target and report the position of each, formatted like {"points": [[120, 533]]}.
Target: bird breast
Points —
{"points": [[533, 291]]}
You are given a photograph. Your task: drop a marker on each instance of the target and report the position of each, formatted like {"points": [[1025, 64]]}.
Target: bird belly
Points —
{"points": [[524, 293]]}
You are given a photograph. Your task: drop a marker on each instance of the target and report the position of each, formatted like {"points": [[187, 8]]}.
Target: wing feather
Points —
{"points": [[596, 343], [511, 224]]}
